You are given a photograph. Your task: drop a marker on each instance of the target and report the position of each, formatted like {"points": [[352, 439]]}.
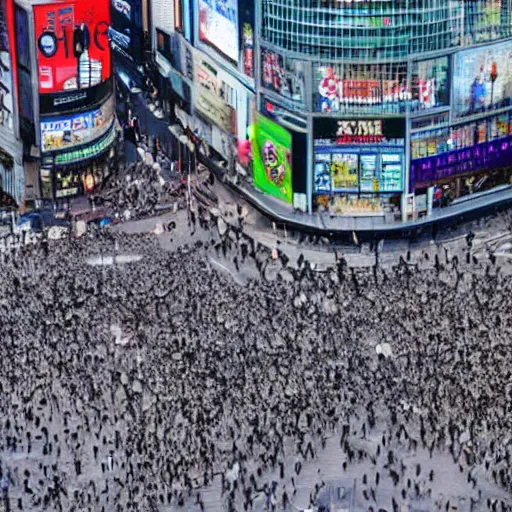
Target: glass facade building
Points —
{"points": [[398, 99]]}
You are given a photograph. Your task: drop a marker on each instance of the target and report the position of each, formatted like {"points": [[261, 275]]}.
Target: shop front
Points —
{"points": [[80, 171], [359, 166], [466, 159]]}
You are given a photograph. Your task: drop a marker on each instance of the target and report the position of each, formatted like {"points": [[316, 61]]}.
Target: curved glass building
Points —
{"points": [[393, 107]]}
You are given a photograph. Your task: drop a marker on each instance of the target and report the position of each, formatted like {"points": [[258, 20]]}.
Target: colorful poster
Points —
{"points": [[482, 78], [344, 171], [218, 26], [59, 133], [272, 157], [73, 44]]}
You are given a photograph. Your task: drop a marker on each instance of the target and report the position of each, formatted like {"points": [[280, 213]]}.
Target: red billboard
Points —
{"points": [[72, 44]]}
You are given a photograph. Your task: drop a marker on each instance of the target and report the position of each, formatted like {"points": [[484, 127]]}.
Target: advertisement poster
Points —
{"points": [[218, 26], [282, 76], [483, 79], [73, 44], [337, 88], [272, 156], [59, 133], [344, 171]]}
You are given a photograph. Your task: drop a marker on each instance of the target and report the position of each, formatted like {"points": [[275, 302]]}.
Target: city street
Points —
{"points": [[255, 256]]}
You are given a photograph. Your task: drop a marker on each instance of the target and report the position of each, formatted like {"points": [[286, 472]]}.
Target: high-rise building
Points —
{"points": [[405, 103], [11, 147], [379, 108], [65, 96]]}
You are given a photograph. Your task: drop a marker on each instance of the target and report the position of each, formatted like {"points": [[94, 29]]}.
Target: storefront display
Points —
{"points": [[73, 44], [271, 150]]}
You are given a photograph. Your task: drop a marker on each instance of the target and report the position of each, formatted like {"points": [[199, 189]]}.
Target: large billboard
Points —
{"points": [[482, 79], [218, 26], [64, 132], [73, 44], [272, 158]]}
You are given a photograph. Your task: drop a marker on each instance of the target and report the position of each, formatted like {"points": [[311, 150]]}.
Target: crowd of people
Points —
{"points": [[162, 385]]}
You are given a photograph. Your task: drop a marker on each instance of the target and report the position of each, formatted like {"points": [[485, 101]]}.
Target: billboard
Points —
{"points": [[282, 75], [64, 132], [218, 26], [73, 44], [272, 157], [482, 79]]}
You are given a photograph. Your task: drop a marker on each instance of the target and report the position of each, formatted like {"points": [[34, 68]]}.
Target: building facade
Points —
{"points": [[405, 105], [11, 146], [204, 50], [65, 95]]}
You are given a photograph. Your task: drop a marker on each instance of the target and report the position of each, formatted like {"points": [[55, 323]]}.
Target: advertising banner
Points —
{"points": [[482, 79], [218, 26], [209, 101], [73, 44], [282, 75], [272, 149], [64, 132], [339, 87]]}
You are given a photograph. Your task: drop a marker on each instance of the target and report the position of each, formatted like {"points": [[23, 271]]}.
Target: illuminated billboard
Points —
{"points": [[482, 78], [218, 26], [272, 158], [64, 132], [73, 44]]}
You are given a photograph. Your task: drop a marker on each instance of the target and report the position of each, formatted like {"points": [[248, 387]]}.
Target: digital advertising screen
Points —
{"points": [[218, 26], [65, 132], [272, 157], [73, 49], [482, 78]]}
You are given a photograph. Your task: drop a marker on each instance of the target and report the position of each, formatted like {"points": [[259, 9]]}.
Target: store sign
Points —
{"points": [[209, 103], [482, 79], [64, 132], [489, 155], [73, 44], [248, 50], [87, 152], [75, 100], [358, 131], [215, 110], [218, 26], [272, 157]]}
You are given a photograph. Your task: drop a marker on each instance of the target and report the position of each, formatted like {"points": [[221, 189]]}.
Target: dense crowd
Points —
{"points": [[139, 386]]}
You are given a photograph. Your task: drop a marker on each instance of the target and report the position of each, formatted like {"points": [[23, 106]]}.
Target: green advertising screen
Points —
{"points": [[272, 155]]}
